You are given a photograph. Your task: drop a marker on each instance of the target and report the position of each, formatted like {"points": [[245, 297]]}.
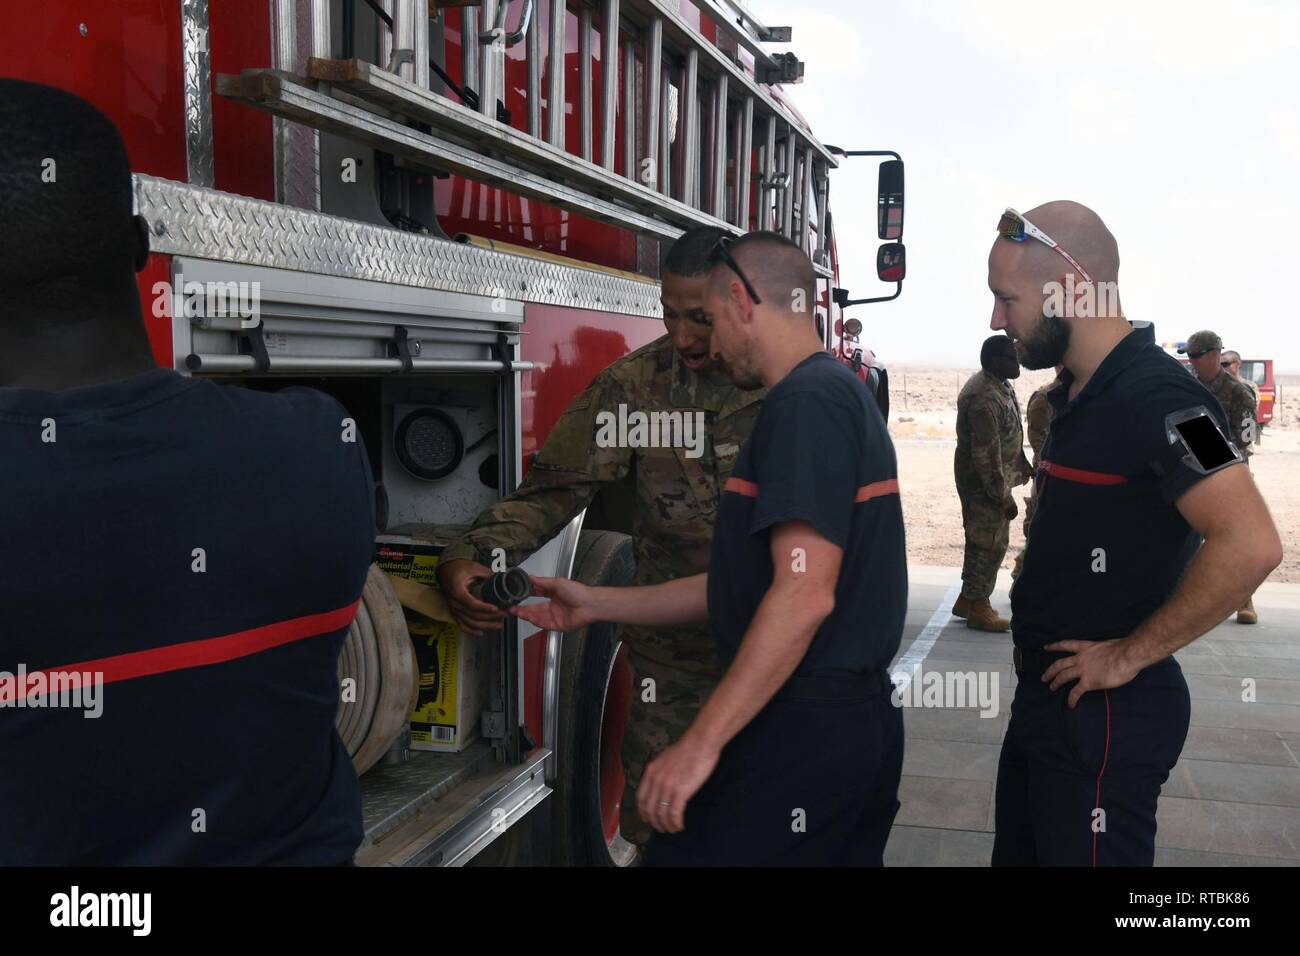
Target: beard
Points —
{"points": [[744, 374], [1045, 347]]}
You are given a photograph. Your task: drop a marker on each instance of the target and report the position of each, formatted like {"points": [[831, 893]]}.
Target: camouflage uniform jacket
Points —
{"points": [[990, 440], [1239, 403], [1038, 417], [676, 495]]}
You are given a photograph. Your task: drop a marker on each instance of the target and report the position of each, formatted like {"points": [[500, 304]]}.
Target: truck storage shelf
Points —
{"points": [[442, 809], [392, 793]]}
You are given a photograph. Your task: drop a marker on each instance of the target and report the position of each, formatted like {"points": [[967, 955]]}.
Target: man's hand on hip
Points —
{"points": [[1096, 665]]}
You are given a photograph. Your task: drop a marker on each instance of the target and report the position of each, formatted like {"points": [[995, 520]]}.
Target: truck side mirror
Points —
{"points": [[889, 200], [891, 262]]}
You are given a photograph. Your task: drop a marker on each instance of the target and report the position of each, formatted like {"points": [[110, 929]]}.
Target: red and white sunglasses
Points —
{"points": [[1017, 228]]}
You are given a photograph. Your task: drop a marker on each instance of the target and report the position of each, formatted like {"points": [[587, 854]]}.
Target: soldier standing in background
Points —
{"points": [[676, 502], [1205, 351], [1038, 416], [990, 461], [1232, 362]]}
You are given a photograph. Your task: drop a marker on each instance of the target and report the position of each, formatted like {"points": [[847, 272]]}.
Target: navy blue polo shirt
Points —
{"points": [[1107, 546], [204, 545], [819, 453]]}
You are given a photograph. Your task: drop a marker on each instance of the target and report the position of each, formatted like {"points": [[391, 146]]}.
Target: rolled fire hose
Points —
{"points": [[377, 655]]}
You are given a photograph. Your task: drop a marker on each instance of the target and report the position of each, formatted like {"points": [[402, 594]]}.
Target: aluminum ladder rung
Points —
{"points": [[526, 166]]}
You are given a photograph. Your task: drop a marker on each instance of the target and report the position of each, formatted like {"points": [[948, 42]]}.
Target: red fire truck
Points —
{"points": [[449, 215]]}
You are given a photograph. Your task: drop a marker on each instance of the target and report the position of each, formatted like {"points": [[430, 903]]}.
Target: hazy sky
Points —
{"points": [[1178, 122]]}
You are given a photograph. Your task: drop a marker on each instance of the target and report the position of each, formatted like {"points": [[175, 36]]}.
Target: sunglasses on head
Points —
{"points": [[720, 253], [1196, 355], [1017, 228]]}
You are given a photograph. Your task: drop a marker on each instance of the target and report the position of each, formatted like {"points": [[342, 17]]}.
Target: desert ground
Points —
{"points": [[922, 419]]}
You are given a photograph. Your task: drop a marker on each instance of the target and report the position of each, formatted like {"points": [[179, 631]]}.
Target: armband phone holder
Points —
{"points": [[1196, 441]]}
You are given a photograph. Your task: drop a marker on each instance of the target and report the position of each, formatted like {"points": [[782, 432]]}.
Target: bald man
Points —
{"points": [[1132, 476], [796, 757]]}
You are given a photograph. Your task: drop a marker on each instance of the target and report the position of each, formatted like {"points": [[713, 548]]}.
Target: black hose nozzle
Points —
{"points": [[504, 589]]}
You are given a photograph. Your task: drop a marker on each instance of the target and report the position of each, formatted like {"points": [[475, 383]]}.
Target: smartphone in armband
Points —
{"points": [[1196, 441]]}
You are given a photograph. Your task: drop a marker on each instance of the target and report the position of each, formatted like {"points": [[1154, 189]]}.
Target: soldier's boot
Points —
{"points": [[982, 617], [961, 607], [1247, 613]]}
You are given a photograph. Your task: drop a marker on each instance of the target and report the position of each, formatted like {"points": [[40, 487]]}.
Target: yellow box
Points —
{"points": [[452, 676]]}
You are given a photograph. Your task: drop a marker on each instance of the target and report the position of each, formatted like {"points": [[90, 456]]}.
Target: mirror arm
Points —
{"points": [[898, 290], [861, 152]]}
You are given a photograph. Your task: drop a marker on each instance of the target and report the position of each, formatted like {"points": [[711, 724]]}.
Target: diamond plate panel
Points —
{"points": [[193, 221], [198, 91]]}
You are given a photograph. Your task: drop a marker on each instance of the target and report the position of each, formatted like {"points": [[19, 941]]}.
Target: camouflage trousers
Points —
{"points": [[988, 531], [659, 715]]}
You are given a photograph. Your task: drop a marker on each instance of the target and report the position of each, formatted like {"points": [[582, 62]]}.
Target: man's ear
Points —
{"points": [[141, 242], [743, 303]]}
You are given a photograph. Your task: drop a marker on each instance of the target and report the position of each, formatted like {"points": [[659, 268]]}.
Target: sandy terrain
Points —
{"points": [[923, 413]]}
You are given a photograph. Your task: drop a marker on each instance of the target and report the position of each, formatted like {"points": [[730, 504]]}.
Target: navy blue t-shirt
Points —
{"points": [[819, 453], [1107, 545], [220, 535]]}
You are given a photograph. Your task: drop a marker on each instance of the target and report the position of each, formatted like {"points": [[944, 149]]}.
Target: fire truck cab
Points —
{"points": [[448, 214]]}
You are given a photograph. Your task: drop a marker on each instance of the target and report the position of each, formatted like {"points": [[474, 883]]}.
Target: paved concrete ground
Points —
{"points": [[1232, 800]]}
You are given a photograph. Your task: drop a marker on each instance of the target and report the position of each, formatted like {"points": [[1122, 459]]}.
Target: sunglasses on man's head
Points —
{"points": [[720, 253], [1196, 355], [1017, 228]]}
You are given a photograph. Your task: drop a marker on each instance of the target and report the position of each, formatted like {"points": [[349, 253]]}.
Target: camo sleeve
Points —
{"points": [[1241, 418], [986, 450], [570, 469], [1038, 416]]}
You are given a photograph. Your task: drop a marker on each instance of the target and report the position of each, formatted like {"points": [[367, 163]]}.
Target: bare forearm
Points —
{"points": [[681, 601], [1217, 582], [775, 643]]}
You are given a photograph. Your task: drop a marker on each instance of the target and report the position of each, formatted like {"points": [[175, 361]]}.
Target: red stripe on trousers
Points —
{"points": [[1104, 758]]}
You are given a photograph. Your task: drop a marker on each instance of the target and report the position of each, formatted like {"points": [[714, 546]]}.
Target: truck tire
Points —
{"points": [[882, 391], [594, 687]]}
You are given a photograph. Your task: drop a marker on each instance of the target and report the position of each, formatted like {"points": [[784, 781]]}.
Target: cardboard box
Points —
{"points": [[453, 666]]}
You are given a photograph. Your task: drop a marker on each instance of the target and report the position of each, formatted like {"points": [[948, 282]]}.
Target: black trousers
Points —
{"points": [[1079, 787], [808, 782]]}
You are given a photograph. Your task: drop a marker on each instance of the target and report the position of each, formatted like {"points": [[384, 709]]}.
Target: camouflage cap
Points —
{"points": [[1203, 341]]}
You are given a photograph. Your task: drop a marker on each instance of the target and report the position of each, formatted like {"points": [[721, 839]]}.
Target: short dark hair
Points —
{"points": [[688, 256], [782, 267], [996, 346], [66, 192]]}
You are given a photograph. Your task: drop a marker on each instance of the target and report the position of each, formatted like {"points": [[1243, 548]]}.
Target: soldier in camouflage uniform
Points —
{"points": [[1205, 351], [990, 461], [1038, 416], [1232, 362], [676, 502]]}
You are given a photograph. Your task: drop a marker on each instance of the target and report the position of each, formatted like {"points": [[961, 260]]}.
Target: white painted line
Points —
{"points": [[915, 655]]}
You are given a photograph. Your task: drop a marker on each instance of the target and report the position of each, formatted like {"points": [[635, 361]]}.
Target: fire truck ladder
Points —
{"points": [[737, 141]]}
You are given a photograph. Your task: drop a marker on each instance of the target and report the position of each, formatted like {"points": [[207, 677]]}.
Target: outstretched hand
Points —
{"points": [[569, 608]]}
